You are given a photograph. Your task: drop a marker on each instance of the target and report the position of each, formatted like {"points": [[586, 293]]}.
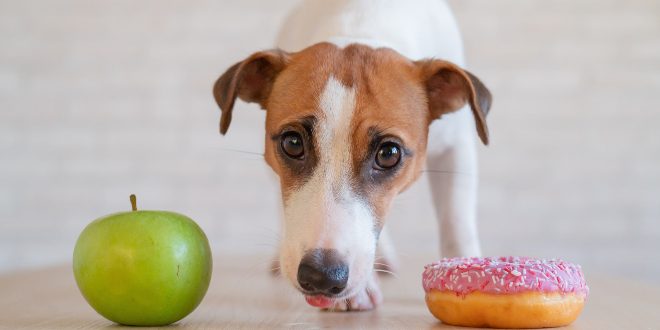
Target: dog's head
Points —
{"points": [[346, 131]]}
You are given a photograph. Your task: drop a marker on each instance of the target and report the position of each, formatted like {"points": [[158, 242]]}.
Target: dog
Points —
{"points": [[359, 96]]}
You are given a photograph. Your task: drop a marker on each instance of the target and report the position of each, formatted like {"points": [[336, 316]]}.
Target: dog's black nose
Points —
{"points": [[322, 271]]}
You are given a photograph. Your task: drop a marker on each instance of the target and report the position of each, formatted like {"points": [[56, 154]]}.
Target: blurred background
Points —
{"points": [[100, 99]]}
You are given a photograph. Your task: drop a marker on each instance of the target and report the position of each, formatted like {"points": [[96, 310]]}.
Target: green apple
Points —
{"points": [[144, 268]]}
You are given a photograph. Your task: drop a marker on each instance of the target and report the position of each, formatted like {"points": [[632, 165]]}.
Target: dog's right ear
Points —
{"points": [[251, 79]]}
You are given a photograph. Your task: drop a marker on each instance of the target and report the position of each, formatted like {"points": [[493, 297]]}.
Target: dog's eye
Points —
{"points": [[388, 155], [292, 145]]}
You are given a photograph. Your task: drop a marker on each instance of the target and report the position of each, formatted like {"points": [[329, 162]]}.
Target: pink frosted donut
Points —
{"points": [[504, 292]]}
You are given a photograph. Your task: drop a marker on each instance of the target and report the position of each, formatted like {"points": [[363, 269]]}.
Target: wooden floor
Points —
{"points": [[243, 295]]}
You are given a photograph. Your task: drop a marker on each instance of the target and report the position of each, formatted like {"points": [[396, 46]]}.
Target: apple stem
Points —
{"points": [[133, 202]]}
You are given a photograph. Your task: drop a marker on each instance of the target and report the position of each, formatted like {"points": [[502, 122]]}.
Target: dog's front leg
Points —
{"points": [[452, 174]]}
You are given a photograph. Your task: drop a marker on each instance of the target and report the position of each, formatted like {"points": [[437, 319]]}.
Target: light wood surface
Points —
{"points": [[243, 295]]}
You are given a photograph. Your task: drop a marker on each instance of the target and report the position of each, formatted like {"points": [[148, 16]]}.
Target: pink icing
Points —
{"points": [[503, 275]]}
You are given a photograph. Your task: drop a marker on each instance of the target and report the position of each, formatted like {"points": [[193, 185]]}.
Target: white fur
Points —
{"points": [[417, 29], [325, 212]]}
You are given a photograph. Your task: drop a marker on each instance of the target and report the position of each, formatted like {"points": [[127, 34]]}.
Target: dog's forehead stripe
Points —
{"points": [[337, 104], [337, 101]]}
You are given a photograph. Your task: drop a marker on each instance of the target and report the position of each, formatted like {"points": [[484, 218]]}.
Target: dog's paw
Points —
{"points": [[366, 299]]}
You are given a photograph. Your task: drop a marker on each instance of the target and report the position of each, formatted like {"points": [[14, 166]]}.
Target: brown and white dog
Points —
{"points": [[359, 96]]}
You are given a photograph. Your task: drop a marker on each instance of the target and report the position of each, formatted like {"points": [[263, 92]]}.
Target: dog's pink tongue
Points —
{"points": [[319, 301]]}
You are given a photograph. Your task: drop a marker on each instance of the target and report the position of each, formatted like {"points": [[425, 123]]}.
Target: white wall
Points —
{"points": [[102, 99]]}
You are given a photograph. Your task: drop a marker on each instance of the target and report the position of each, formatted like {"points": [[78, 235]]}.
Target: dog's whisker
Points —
{"points": [[387, 272], [243, 152], [263, 261], [446, 172]]}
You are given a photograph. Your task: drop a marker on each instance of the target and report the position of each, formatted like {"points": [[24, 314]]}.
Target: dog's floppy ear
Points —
{"points": [[449, 87], [251, 79]]}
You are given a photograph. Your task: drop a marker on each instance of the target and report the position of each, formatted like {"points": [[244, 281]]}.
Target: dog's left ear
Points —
{"points": [[251, 79], [449, 87]]}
